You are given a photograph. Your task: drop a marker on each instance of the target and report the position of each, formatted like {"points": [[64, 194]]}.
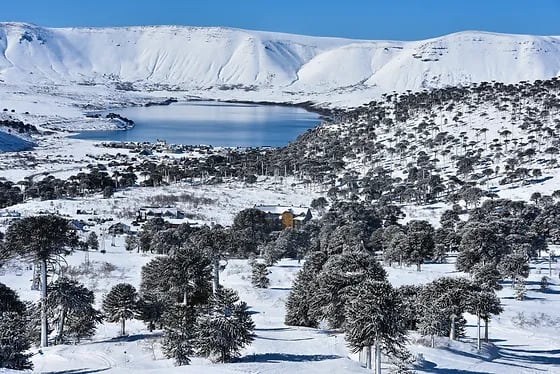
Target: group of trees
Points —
{"points": [[177, 294], [493, 245], [48, 187], [180, 292]]}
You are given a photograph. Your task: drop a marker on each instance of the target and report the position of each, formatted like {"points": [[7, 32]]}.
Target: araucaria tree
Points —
{"points": [[259, 276], [120, 304], [338, 275], [225, 327], [179, 333], [483, 304], [298, 310], [69, 300], [42, 239], [373, 319], [14, 331]]}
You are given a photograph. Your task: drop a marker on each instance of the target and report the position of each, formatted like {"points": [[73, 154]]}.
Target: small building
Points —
{"points": [[288, 216], [155, 212], [118, 228]]}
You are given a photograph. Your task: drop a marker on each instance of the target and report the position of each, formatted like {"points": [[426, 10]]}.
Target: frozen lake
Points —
{"points": [[212, 123]]}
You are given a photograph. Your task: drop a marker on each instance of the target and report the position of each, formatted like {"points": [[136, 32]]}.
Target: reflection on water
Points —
{"points": [[217, 124]]}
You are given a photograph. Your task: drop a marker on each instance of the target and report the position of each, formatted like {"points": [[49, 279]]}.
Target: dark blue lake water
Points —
{"points": [[211, 123]]}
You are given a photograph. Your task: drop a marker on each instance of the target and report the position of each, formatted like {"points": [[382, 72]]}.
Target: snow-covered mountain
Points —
{"points": [[292, 66]]}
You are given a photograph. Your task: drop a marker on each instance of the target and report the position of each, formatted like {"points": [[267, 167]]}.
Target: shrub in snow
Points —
{"points": [[544, 283]]}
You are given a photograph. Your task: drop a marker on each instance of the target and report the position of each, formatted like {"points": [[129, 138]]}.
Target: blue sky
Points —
{"points": [[364, 19]]}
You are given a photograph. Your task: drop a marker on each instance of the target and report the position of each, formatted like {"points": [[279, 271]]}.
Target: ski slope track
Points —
{"points": [[266, 66]]}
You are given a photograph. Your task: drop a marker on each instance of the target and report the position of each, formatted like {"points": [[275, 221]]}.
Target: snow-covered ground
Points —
{"points": [[516, 347]]}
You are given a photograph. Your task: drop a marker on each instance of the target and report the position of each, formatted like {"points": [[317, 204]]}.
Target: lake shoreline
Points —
{"points": [[213, 122]]}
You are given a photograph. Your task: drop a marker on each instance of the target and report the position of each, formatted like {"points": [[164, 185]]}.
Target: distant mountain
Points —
{"points": [[292, 67]]}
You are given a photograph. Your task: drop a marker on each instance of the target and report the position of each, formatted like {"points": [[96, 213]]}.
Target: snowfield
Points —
{"points": [[227, 64]]}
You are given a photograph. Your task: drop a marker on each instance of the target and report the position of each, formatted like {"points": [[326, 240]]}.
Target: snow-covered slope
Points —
{"points": [[291, 66]]}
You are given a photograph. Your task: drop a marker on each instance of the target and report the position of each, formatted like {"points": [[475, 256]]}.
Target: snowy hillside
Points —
{"points": [[262, 65]]}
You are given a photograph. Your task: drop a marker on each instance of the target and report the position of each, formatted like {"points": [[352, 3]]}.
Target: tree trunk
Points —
{"points": [[44, 325], [216, 276], [478, 332], [418, 267], [122, 326], [432, 341], [486, 320], [185, 294], [368, 357], [452, 330], [61, 321], [377, 357]]}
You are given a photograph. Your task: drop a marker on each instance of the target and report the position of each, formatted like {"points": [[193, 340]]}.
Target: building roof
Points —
{"points": [[278, 209]]}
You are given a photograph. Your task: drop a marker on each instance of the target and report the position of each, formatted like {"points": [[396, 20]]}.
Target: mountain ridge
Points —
{"points": [[289, 67]]}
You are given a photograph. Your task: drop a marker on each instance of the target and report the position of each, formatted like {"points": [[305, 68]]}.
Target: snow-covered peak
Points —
{"points": [[293, 66]]}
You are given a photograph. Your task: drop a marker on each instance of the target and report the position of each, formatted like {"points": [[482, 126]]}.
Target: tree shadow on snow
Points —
{"points": [[432, 367], [76, 371], [274, 329], [530, 356], [283, 357], [526, 298], [283, 339], [131, 338]]}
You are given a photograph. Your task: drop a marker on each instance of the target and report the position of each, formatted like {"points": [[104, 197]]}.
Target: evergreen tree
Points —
{"points": [[42, 239], [339, 273], [514, 266], [14, 341], [442, 304], [479, 244], [483, 304], [224, 328], [410, 311], [179, 333], [151, 309], [374, 318], [15, 337], [185, 275], [419, 244], [487, 277], [120, 304], [92, 241], [69, 300], [298, 312], [130, 243], [9, 301], [213, 243], [259, 277], [520, 289]]}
